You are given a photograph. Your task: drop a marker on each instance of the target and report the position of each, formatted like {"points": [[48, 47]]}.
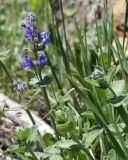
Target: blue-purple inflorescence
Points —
{"points": [[28, 64], [31, 33], [32, 64], [28, 32], [39, 41], [19, 86]]}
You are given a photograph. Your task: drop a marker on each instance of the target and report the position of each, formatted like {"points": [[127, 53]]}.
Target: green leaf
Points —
{"points": [[118, 101], [119, 87], [120, 90], [23, 157], [41, 155], [21, 134], [51, 150], [33, 134], [92, 81], [90, 137], [55, 157], [111, 155], [68, 93], [26, 134], [88, 114], [68, 126], [16, 149], [111, 74], [48, 139], [121, 127], [65, 144]]}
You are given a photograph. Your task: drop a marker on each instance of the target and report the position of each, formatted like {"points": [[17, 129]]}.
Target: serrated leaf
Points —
{"points": [[120, 90], [111, 74], [21, 134], [119, 87], [24, 134], [16, 149], [111, 155], [51, 150], [65, 144], [64, 127], [55, 157], [41, 155], [121, 127], [23, 157], [90, 137], [33, 134], [91, 81]]}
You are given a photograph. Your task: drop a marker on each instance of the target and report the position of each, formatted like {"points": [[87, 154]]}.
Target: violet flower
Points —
{"points": [[32, 64], [42, 59], [19, 86], [28, 32], [28, 64], [45, 38], [97, 73]]}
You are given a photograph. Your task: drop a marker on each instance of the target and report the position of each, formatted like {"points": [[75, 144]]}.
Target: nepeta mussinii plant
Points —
{"points": [[38, 40]]}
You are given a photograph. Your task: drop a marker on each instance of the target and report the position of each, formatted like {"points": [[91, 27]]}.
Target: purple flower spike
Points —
{"points": [[28, 32], [30, 17], [28, 64], [45, 38], [42, 60]]}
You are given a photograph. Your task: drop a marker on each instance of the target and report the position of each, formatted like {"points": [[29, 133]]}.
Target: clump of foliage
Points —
{"points": [[85, 100]]}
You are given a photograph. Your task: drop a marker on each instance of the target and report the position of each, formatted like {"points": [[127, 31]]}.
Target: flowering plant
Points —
{"points": [[85, 103]]}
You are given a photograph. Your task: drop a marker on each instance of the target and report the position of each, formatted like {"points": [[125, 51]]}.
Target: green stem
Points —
{"points": [[99, 40], [6, 71], [54, 92], [46, 96], [49, 107], [87, 152], [30, 116], [32, 153], [62, 14], [51, 117], [34, 123], [54, 73]]}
